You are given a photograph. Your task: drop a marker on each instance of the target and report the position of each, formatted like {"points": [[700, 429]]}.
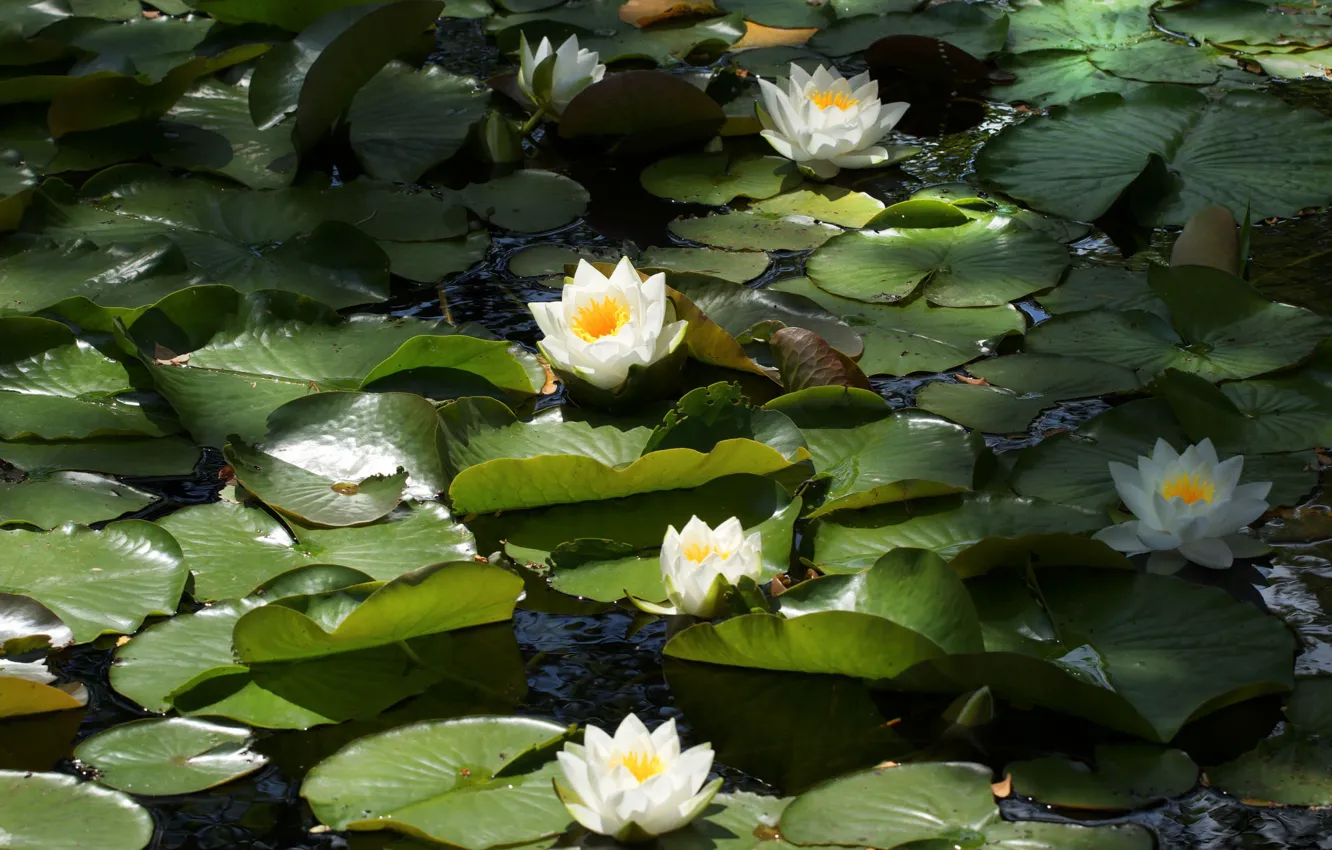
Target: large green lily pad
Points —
{"points": [[1126, 776], [58, 812], [973, 27], [82, 497], [97, 582], [233, 549], [1219, 328], [915, 336], [174, 755], [1077, 160], [215, 117], [982, 263], [755, 231], [716, 179], [472, 783], [1290, 768]]}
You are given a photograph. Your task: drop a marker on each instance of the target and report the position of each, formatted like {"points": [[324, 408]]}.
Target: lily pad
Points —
{"points": [[261, 159], [733, 266], [646, 111], [831, 204], [1219, 328], [96, 582], [1074, 469], [485, 787], [55, 811], [1115, 138], [233, 549], [975, 28], [947, 526], [176, 755], [738, 309], [424, 602], [388, 450], [50, 500], [528, 201], [404, 121], [1105, 288], [164, 456], [716, 178], [1018, 387], [915, 336], [977, 264], [1290, 768], [754, 231], [1126, 776]]}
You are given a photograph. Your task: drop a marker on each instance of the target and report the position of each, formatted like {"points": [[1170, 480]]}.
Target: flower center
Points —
{"points": [[825, 99], [596, 319], [642, 767], [696, 552], [1190, 488]]}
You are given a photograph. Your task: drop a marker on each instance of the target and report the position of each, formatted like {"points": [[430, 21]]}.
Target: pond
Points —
{"points": [[393, 396]]}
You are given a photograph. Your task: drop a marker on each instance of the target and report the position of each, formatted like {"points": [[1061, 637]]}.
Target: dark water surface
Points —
{"points": [[597, 667]]}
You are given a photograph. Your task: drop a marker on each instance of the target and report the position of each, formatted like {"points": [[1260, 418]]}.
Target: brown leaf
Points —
{"points": [[552, 383], [757, 35], [1210, 238], [642, 13], [710, 343], [164, 356], [1003, 788], [973, 380], [805, 359]]}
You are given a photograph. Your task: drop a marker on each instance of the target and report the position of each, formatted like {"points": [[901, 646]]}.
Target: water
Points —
{"points": [[597, 667]]}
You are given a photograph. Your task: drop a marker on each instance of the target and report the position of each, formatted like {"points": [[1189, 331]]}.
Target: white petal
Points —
{"points": [[1207, 452], [1208, 552], [1122, 538], [779, 144]]}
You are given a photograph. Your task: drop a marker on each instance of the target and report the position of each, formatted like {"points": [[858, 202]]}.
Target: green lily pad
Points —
{"points": [[552, 259], [427, 601], [907, 455], [614, 38], [848, 643], [1059, 76], [1141, 653], [1074, 469], [404, 122], [915, 336], [1018, 387], [229, 143], [831, 204], [83, 497], [946, 526], [733, 266], [911, 587], [975, 28], [639, 574], [1104, 288], [1290, 768], [317, 74], [164, 456], [97, 582], [754, 231], [171, 755], [484, 787], [977, 264], [233, 549], [27, 687], [298, 471], [716, 179], [528, 201], [431, 262], [1126, 776], [1243, 22], [515, 470], [54, 387], [1280, 414], [225, 360], [58, 812], [1220, 328], [1201, 143], [118, 277], [443, 366], [648, 111]]}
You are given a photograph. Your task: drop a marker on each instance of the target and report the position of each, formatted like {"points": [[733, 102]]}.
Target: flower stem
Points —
{"points": [[533, 121]]}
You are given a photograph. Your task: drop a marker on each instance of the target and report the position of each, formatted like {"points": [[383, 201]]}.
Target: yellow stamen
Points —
{"points": [[696, 552], [600, 318], [1190, 488], [825, 99], [639, 765]]}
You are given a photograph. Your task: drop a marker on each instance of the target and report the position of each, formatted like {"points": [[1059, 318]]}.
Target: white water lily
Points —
{"points": [[700, 562], [573, 69], [602, 326], [1188, 506], [637, 784], [825, 123]]}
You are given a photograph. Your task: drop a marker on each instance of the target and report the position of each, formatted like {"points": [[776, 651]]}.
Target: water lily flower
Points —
{"points": [[636, 785], [571, 70], [1188, 506], [825, 123], [700, 562], [602, 326]]}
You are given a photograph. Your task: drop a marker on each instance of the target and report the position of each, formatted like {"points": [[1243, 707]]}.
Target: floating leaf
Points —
{"points": [[219, 136], [644, 110], [733, 266], [58, 812], [60, 497], [805, 359], [528, 201], [975, 28], [752, 231], [96, 582], [831, 204], [175, 755], [716, 179], [1126, 776], [738, 309]]}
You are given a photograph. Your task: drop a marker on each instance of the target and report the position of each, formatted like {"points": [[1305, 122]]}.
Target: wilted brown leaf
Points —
{"points": [[757, 35], [642, 13], [805, 359]]}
